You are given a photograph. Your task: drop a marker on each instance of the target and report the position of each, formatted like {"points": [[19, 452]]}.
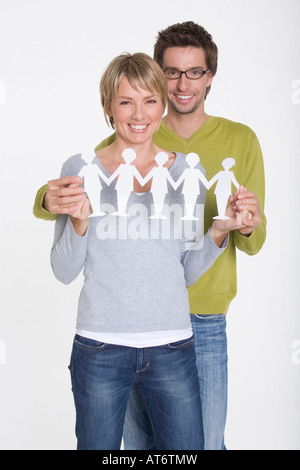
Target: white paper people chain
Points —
{"points": [[126, 173]]}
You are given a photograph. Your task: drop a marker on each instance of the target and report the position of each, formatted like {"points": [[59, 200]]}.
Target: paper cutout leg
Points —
{"points": [[122, 198]]}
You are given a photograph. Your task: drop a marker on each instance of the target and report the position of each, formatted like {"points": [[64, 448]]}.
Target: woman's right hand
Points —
{"points": [[80, 217], [63, 195]]}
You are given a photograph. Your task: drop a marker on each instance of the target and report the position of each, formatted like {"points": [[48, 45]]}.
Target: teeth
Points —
{"points": [[181, 97], [139, 128]]}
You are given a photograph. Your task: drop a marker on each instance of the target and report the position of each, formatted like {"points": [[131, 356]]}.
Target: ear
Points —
{"points": [[210, 78], [109, 110]]}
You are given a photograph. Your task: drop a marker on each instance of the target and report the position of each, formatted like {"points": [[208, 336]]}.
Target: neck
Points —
{"points": [[185, 125], [145, 153]]}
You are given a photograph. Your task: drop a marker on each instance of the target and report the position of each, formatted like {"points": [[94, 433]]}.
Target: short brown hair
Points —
{"points": [[184, 35], [142, 72]]}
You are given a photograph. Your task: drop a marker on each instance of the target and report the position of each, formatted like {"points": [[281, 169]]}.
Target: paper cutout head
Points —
{"points": [[192, 159], [129, 155], [228, 163]]}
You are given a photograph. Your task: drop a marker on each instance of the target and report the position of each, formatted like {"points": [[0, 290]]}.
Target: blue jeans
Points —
{"points": [[211, 354], [166, 378]]}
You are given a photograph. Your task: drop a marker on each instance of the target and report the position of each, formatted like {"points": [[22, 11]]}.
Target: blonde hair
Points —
{"points": [[140, 70]]}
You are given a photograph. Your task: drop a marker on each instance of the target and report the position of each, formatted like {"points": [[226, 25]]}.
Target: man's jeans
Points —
{"points": [[211, 354], [167, 381]]}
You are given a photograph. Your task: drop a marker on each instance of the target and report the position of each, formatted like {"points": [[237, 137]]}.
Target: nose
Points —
{"points": [[183, 82], [138, 112]]}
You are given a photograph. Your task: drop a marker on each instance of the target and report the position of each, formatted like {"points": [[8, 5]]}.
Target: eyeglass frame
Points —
{"points": [[204, 72]]}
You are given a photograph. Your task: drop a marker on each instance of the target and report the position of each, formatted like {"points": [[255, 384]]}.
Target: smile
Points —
{"points": [[138, 128], [184, 97]]}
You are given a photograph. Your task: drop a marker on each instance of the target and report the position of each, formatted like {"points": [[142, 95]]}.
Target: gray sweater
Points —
{"points": [[136, 269]]}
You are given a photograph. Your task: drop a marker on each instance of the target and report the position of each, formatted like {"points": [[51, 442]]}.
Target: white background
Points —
{"points": [[52, 55]]}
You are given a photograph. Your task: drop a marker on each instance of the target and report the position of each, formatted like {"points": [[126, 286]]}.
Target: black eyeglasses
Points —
{"points": [[191, 74]]}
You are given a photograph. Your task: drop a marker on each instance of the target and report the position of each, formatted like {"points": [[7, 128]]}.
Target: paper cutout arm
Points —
{"points": [[179, 181], [103, 176], [214, 179], [97, 171], [147, 178], [139, 177], [203, 179], [171, 181], [118, 171], [236, 184], [113, 176]]}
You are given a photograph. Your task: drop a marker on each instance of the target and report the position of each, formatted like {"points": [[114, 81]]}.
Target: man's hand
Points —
{"points": [[247, 201], [63, 195]]}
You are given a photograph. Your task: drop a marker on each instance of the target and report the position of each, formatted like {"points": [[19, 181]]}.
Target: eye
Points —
{"points": [[171, 73], [152, 101], [124, 102], [196, 72]]}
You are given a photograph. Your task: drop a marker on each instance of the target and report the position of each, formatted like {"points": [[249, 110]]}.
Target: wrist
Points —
{"points": [[218, 236], [80, 226], [246, 232]]}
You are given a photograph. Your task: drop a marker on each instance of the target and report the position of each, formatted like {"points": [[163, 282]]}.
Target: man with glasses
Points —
{"points": [[189, 58]]}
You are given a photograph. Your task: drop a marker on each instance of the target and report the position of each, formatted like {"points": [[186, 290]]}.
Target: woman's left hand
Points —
{"points": [[237, 221]]}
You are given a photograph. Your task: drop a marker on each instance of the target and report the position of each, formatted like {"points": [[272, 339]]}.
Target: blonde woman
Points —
{"points": [[133, 322]]}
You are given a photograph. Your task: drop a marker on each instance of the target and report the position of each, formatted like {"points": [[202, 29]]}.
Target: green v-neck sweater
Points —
{"points": [[216, 140]]}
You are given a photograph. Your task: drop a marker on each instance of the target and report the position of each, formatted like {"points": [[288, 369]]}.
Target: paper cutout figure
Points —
{"points": [[223, 188], [191, 189], [159, 187], [125, 173], [92, 184]]}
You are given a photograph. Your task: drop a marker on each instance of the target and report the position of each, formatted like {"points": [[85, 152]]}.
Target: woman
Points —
{"points": [[133, 323]]}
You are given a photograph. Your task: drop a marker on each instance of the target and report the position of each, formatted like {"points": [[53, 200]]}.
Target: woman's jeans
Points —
{"points": [[166, 379], [211, 352]]}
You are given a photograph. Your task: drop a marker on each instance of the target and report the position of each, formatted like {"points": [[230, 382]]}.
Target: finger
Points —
{"points": [[64, 181], [67, 210], [67, 206], [254, 222], [246, 194], [246, 215], [250, 208], [64, 192], [68, 200]]}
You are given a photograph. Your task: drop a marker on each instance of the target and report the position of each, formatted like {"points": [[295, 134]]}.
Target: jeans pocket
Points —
{"points": [[181, 344], [88, 344]]}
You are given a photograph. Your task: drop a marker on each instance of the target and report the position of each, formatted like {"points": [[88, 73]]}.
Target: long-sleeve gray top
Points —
{"points": [[136, 269]]}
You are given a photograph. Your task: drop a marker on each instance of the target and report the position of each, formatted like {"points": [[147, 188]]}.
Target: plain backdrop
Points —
{"points": [[52, 55]]}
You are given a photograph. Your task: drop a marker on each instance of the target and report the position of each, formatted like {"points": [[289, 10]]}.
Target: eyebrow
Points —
{"points": [[130, 97], [191, 68]]}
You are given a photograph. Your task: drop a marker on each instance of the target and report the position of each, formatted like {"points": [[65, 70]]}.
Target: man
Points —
{"points": [[188, 56]]}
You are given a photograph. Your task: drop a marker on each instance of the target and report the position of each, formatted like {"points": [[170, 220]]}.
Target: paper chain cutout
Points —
{"points": [[159, 188]]}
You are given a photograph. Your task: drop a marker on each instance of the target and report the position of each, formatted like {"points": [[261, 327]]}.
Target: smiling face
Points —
{"points": [[186, 96], [136, 113]]}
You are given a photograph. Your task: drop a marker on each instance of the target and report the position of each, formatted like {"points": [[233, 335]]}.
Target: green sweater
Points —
{"points": [[216, 140]]}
